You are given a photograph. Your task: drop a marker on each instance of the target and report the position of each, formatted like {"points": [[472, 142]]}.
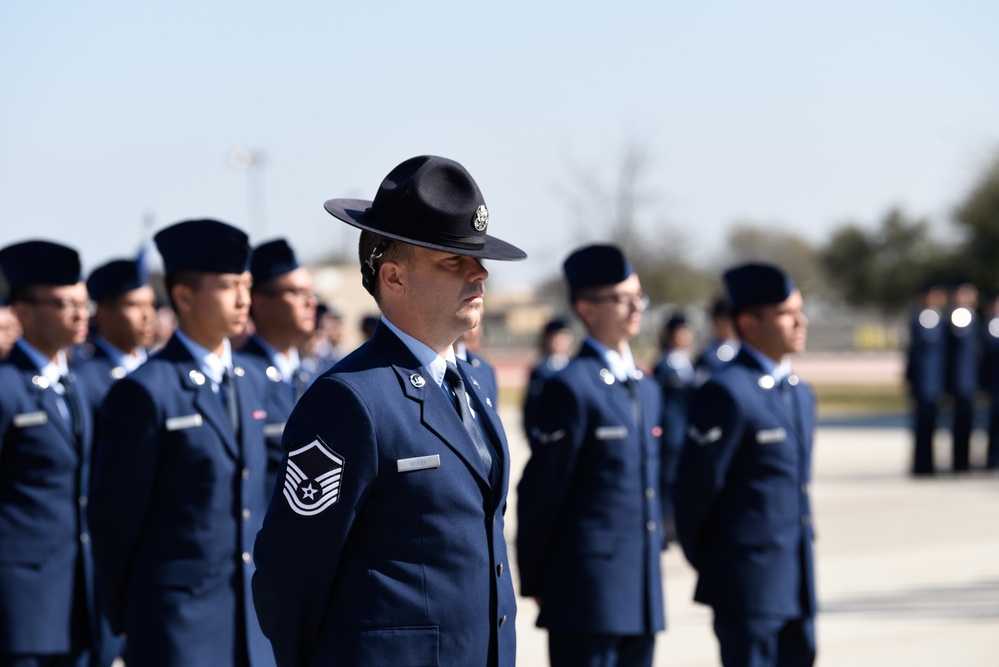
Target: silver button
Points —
{"points": [[82, 501], [246, 514], [84, 538], [804, 488], [650, 492], [246, 473], [650, 526], [499, 570], [502, 621], [805, 520], [246, 557]]}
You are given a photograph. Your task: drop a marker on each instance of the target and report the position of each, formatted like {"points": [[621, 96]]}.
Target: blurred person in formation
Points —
{"points": [[180, 470], [743, 512], [166, 323], [469, 347], [283, 308], [322, 349], [990, 377], [963, 367], [675, 375], [555, 345], [589, 508], [10, 329], [368, 324], [47, 607], [924, 370], [386, 546], [723, 344]]}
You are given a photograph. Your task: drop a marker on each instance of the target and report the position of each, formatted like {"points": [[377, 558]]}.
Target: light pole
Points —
{"points": [[253, 163]]}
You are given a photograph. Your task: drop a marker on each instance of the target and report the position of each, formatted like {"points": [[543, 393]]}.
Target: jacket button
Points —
{"points": [[650, 493], [502, 621], [805, 519], [650, 526], [499, 570], [83, 501], [247, 557], [246, 473], [84, 538], [246, 514]]}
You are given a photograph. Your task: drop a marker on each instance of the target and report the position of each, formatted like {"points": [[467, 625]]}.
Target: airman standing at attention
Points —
{"points": [[47, 614], [924, 371], [743, 513], [386, 544], [180, 468], [589, 507], [283, 309], [963, 367]]}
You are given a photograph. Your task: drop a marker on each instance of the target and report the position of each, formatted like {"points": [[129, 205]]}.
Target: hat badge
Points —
{"points": [[481, 218]]}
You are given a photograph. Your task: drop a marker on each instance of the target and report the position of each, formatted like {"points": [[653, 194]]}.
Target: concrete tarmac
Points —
{"points": [[908, 569]]}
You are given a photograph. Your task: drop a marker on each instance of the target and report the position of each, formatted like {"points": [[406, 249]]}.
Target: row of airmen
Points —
{"points": [[132, 487], [952, 353]]}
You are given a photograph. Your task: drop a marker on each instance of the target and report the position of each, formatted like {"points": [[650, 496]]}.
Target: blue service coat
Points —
{"points": [[540, 374], [279, 400], [487, 374], [742, 508], [177, 501], [400, 559], [44, 537], [588, 505], [926, 355], [963, 355]]}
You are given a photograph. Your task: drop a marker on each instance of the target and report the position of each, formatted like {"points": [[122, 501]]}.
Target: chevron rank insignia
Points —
{"points": [[706, 438], [312, 478]]}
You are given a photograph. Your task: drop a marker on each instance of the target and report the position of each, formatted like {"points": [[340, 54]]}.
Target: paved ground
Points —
{"points": [[908, 570]]}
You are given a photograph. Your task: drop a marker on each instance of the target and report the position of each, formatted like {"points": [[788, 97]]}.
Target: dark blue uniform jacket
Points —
{"points": [[588, 504], [383, 543], [742, 506]]}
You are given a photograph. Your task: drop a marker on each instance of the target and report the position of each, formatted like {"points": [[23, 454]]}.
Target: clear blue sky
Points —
{"points": [[800, 114]]}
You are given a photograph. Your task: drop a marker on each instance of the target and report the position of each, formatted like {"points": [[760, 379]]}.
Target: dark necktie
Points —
{"points": [[72, 402], [230, 400], [788, 394], [636, 401], [453, 378]]}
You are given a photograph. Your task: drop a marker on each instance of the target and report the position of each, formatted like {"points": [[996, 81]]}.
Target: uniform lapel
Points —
{"points": [[45, 395], [616, 393]]}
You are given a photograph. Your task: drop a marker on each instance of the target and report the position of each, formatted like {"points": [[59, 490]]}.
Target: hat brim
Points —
{"points": [[353, 212]]}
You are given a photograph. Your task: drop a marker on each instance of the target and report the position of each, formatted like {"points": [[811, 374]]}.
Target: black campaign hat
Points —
{"points": [[203, 245], [114, 278], [272, 259], [596, 266], [752, 285], [431, 202], [39, 263]]}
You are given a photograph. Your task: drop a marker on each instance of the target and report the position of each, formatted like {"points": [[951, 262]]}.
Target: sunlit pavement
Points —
{"points": [[908, 569]]}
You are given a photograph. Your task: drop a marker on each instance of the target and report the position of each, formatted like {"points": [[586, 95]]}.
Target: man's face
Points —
{"points": [[218, 308], [444, 290], [287, 303], [10, 330], [55, 317], [778, 329], [128, 321], [613, 314]]}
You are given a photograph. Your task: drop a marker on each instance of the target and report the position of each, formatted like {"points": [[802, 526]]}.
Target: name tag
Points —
{"points": [[418, 463], [26, 419], [611, 432], [181, 423], [275, 430], [770, 436]]}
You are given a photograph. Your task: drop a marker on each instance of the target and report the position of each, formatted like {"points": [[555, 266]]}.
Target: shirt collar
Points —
{"points": [[778, 371], [51, 370], [127, 361], [209, 363], [622, 366], [286, 365], [427, 357]]}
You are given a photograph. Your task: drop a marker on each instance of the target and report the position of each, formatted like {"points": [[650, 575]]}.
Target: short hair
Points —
{"points": [[373, 250], [190, 279]]}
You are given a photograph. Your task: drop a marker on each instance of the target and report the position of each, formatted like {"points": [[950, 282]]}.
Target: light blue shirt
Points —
{"points": [[286, 365], [622, 366], [209, 363], [127, 361], [50, 370], [777, 371], [435, 364]]}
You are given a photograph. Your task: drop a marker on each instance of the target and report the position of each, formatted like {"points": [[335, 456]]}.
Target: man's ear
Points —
{"points": [[183, 298], [392, 277]]}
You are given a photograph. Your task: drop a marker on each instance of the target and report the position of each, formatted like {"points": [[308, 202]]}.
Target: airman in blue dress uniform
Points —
{"points": [[383, 543], [179, 474], [963, 367], [924, 371], [723, 345], [284, 313], [556, 347], [990, 378], [589, 507], [47, 613], [742, 505]]}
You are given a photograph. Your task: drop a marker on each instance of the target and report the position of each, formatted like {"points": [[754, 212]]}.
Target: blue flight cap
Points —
{"points": [[555, 325], [113, 279], [39, 263], [752, 285], [596, 266], [203, 245], [675, 321], [272, 259]]}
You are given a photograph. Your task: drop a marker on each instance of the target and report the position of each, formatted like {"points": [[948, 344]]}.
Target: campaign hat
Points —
{"points": [[204, 245], [431, 202]]}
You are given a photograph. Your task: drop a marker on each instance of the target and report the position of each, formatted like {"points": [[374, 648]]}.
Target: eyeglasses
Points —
{"points": [[298, 293], [65, 305], [621, 299]]}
